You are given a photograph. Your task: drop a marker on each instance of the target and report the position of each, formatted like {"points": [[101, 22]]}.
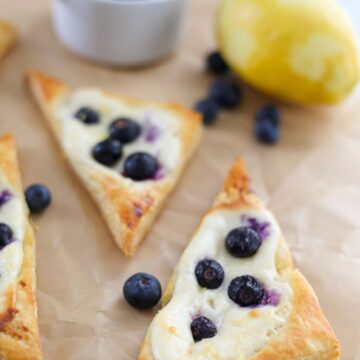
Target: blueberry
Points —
{"points": [[202, 328], [267, 132], [242, 242], [6, 235], [88, 116], [215, 63], [209, 110], [209, 274], [124, 130], [245, 291], [142, 291], [226, 93], [269, 112], [107, 152], [38, 198], [140, 166]]}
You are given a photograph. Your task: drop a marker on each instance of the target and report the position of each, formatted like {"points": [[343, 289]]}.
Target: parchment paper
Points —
{"points": [[310, 180]]}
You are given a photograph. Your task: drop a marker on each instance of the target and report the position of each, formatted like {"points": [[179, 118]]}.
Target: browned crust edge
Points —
{"points": [[9, 36]]}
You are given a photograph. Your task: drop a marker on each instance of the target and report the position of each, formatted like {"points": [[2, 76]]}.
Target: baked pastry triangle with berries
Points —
{"points": [[7, 37], [128, 153], [235, 293], [19, 332]]}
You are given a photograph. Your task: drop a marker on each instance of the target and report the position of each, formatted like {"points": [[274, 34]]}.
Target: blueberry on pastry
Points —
{"points": [[202, 328], [107, 152], [6, 235], [128, 153], [87, 115], [243, 242], [235, 293], [124, 130], [19, 332], [140, 166], [209, 274], [245, 291]]}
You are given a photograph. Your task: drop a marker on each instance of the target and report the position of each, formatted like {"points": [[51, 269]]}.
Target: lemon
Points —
{"points": [[302, 51]]}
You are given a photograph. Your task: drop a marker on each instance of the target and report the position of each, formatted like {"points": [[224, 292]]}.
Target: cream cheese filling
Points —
{"points": [[78, 139], [241, 331], [12, 213]]}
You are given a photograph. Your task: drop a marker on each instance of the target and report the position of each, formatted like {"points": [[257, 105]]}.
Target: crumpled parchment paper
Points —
{"points": [[310, 180]]}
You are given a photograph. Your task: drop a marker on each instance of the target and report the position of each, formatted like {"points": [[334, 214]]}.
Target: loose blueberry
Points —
{"points": [[6, 235], [242, 242], [142, 291], [269, 112], [202, 328], [209, 274], [246, 291], [209, 110], [88, 116], [140, 166], [267, 132], [38, 198], [124, 130], [107, 152], [215, 63], [226, 93]]}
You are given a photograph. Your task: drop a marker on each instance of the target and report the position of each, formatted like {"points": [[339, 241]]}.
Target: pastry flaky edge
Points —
{"points": [[307, 334], [8, 37], [19, 331], [128, 215]]}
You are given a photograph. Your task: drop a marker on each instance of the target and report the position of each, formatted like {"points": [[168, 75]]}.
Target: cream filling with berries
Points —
{"points": [[241, 331], [78, 139], [13, 214]]}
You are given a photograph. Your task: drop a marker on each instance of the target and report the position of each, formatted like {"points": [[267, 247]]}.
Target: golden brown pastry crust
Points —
{"points": [[307, 334], [129, 215], [7, 38], [19, 332]]}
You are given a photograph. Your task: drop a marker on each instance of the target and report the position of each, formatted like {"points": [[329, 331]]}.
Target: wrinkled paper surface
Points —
{"points": [[311, 180]]}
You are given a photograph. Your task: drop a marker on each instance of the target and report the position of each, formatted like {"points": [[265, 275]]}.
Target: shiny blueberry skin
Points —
{"points": [[124, 130], [38, 198], [142, 291], [202, 328], [209, 110], [88, 116], [107, 152], [269, 112], [246, 291], [242, 242], [266, 132], [140, 166], [215, 63], [6, 235], [226, 93], [209, 274]]}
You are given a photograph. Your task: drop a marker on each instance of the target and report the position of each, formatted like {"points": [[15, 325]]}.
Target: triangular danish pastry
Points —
{"points": [[19, 332], [235, 294], [128, 153]]}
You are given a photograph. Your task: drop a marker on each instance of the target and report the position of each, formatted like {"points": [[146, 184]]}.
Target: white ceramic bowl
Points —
{"points": [[120, 32]]}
